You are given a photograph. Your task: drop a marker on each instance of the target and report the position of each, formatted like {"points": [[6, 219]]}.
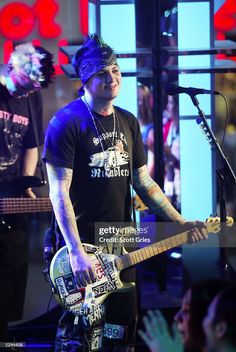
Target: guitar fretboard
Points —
{"points": [[24, 205], [138, 256]]}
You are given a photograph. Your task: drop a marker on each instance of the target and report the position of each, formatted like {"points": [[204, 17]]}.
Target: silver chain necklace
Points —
{"points": [[112, 141], [107, 165]]}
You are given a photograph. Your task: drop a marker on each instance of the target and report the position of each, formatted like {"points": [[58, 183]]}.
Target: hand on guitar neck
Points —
{"points": [[28, 193], [197, 231]]}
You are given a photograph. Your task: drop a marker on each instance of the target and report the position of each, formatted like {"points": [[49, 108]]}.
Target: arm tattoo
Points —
{"points": [[60, 174], [59, 183], [153, 197]]}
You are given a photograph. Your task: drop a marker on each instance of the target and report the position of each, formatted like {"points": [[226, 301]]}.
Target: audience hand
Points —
{"points": [[157, 335]]}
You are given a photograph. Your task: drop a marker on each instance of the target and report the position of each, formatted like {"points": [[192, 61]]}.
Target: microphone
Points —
{"points": [[173, 89]]}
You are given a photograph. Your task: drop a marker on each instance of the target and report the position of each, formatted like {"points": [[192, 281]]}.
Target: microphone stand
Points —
{"points": [[224, 171]]}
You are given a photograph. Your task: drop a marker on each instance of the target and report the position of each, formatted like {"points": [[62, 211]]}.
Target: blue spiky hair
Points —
{"points": [[92, 57]]}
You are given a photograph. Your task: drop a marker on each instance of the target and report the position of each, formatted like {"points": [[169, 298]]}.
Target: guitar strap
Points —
{"points": [[32, 109], [53, 241], [127, 131]]}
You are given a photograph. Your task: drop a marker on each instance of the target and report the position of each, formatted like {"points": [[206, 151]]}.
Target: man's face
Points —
{"points": [[105, 84], [182, 318]]}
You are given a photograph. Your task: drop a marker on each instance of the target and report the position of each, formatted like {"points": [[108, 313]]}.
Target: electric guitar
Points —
{"points": [[107, 267], [12, 203]]}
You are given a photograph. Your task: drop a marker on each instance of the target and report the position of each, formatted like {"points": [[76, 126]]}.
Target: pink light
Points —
{"points": [[83, 16]]}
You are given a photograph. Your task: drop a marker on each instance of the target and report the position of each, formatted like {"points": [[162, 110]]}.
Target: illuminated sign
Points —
{"points": [[17, 20], [44, 22], [225, 21]]}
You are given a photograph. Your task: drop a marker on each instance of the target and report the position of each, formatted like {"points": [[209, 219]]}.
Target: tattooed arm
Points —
{"points": [[155, 199], [59, 183]]}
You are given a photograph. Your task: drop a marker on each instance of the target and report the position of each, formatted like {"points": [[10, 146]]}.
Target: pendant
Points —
{"points": [[120, 145], [107, 166]]}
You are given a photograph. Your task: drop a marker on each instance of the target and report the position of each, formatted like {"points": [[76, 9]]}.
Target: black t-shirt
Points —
{"points": [[16, 130], [100, 189]]}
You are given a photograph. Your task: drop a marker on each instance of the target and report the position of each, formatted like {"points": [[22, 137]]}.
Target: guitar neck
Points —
{"points": [[24, 205], [138, 256]]}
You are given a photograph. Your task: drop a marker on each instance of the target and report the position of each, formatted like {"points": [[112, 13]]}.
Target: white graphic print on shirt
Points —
{"points": [[110, 159]]}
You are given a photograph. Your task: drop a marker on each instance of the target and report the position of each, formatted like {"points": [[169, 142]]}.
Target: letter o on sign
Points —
{"points": [[16, 20]]}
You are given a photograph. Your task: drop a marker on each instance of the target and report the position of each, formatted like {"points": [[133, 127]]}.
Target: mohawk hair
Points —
{"points": [[92, 56], [92, 42]]}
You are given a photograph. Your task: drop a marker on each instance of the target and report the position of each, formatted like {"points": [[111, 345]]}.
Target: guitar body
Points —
{"points": [[81, 301]]}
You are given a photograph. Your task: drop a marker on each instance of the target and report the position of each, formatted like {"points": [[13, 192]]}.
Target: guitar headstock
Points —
{"points": [[214, 223]]}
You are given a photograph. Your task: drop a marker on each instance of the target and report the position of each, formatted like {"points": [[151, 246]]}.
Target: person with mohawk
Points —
{"points": [[29, 69], [89, 177]]}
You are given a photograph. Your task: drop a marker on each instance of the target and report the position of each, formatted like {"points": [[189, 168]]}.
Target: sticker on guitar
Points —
{"points": [[82, 301]]}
